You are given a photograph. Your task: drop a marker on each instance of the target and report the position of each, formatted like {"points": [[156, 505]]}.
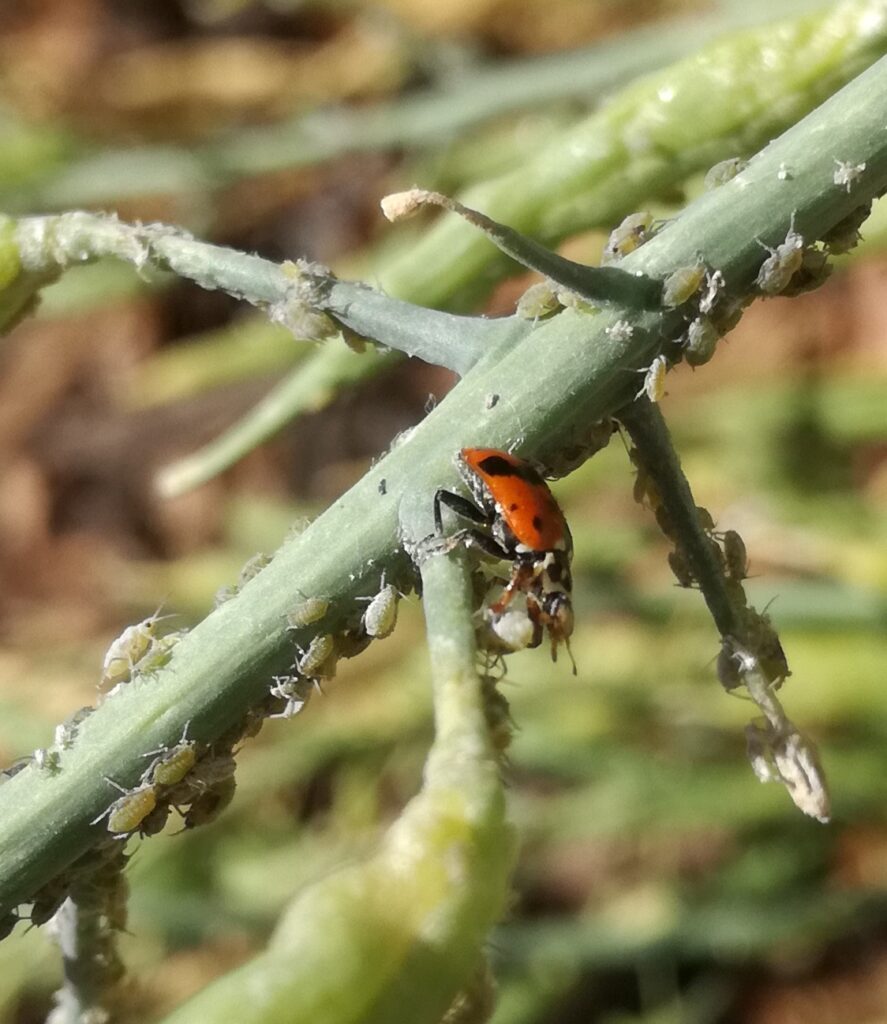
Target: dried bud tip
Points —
{"points": [[400, 205]]}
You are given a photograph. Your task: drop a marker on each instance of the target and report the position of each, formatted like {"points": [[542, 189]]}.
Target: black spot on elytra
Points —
{"points": [[513, 507], [495, 465], [537, 522]]}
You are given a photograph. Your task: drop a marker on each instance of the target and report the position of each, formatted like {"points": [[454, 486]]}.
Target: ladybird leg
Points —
{"points": [[463, 508], [468, 539], [521, 576]]}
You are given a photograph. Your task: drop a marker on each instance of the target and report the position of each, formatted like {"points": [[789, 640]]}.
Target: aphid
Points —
{"points": [[311, 610], [129, 811], [735, 555], [12, 770], [491, 400], [700, 341], [66, 732], [47, 760], [682, 284], [679, 565], [733, 663], [520, 522], [814, 270], [315, 660], [537, 301], [207, 773], [664, 521], [631, 233], [759, 751], [771, 656], [705, 519], [723, 171], [382, 487], [380, 616], [47, 900], [781, 265], [209, 805], [845, 235], [847, 174], [125, 653], [727, 668], [174, 763], [573, 300], [252, 567], [223, 595], [356, 342], [160, 653], [155, 820], [654, 379]]}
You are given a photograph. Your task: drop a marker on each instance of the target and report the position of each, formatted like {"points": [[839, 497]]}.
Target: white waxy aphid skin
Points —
{"points": [[307, 612], [295, 690], [682, 285], [46, 760], [654, 379], [847, 174], [380, 616]]}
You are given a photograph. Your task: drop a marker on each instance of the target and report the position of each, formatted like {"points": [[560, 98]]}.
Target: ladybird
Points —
{"points": [[520, 522]]}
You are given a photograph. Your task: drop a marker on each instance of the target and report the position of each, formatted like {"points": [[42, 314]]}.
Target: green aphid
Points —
{"points": [[628, 236], [128, 811], [126, 652], [537, 301], [252, 567], [682, 285], [307, 612], [723, 172], [174, 763]]}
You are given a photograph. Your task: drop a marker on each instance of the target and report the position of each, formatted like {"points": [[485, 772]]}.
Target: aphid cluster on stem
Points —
{"points": [[515, 518]]}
